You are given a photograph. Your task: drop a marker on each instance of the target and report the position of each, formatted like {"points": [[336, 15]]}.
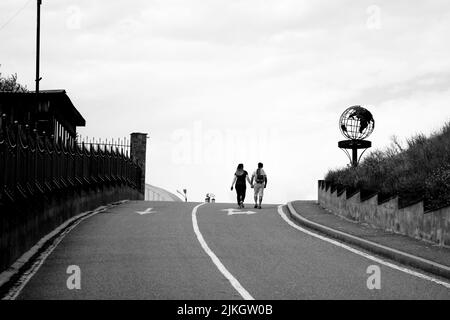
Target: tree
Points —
{"points": [[10, 84]]}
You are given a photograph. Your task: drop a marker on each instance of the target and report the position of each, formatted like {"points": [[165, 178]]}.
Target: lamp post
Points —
{"points": [[38, 40], [184, 194]]}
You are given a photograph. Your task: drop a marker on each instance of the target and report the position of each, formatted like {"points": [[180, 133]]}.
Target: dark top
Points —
{"points": [[240, 179]]}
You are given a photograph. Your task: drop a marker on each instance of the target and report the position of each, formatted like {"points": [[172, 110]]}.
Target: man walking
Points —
{"points": [[260, 179]]}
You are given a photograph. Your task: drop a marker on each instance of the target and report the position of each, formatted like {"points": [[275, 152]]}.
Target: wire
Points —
{"points": [[15, 15]]}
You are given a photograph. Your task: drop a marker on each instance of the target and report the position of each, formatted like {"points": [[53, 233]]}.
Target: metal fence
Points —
{"points": [[33, 165], [111, 144]]}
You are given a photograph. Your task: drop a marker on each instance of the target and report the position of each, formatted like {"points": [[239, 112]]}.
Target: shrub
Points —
{"points": [[437, 187], [421, 169]]}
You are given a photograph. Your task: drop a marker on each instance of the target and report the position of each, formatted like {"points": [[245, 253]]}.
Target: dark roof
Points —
{"points": [[56, 97]]}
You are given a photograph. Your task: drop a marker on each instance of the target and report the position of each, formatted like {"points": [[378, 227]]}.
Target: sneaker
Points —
{"points": [[242, 206], [256, 206], [259, 207]]}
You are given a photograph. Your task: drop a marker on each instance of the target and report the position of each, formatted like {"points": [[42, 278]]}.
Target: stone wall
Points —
{"points": [[411, 221], [138, 150]]}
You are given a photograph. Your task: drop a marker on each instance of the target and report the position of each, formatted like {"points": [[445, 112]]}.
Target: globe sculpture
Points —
{"points": [[356, 124]]}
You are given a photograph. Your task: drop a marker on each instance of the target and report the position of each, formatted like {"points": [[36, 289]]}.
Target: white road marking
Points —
{"points": [[361, 253], [234, 282], [147, 211], [232, 211]]}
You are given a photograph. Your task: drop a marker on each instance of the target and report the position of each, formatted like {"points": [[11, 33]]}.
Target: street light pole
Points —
{"points": [[38, 40], [183, 194]]}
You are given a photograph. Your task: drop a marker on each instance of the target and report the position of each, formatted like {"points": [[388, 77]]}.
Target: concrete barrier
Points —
{"points": [[412, 221]]}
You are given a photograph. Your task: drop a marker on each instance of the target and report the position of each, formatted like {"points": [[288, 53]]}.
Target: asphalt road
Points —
{"points": [[123, 254]]}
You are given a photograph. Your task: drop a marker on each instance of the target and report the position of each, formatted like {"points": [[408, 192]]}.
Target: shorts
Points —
{"points": [[259, 189]]}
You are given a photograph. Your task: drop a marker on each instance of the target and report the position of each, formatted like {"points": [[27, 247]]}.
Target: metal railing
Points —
{"points": [[33, 165], [105, 144]]}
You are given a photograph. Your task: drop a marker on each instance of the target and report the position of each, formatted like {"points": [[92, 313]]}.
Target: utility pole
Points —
{"points": [[38, 40]]}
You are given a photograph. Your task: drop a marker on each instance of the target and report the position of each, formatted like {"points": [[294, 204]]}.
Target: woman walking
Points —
{"points": [[240, 184]]}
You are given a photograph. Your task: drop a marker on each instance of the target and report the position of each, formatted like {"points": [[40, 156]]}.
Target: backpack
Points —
{"points": [[259, 176]]}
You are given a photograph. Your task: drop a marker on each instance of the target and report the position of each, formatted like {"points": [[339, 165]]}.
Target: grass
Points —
{"points": [[420, 169]]}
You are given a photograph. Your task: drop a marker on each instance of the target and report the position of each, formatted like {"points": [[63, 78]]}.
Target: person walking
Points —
{"points": [[259, 178], [241, 186]]}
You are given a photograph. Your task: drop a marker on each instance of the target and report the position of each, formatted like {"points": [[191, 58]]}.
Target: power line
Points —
{"points": [[15, 15]]}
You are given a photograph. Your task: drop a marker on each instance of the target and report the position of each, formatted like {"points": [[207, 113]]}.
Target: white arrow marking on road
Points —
{"points": [[234, 211], [147, 211]]}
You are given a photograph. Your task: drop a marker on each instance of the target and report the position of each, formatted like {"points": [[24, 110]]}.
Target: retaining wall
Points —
{"points": [[411, 221]]}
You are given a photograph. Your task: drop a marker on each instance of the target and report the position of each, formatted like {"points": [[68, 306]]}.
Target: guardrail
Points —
{"points": [[33, 165]]}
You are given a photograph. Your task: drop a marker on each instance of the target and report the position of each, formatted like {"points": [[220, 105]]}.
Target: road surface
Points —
{"points": [[168, 250]]}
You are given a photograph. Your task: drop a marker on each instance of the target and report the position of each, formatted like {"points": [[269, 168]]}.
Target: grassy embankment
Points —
{"points": [[419, 169]]}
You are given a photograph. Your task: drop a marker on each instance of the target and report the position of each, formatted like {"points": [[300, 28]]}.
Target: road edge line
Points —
{"points": [[387, 252], [28, 260], [342, 245]]}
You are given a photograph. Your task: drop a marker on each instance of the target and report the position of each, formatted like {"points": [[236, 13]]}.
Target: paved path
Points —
{"points": [[426, 250], [132, 252]]}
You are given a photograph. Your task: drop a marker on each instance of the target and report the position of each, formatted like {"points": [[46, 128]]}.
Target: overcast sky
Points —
{"points": [[216, 83]]}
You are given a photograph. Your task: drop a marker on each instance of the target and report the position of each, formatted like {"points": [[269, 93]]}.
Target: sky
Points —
{"points": [[221, 82]]}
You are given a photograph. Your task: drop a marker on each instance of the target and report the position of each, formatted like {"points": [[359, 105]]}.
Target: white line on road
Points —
{"points": [[358, 252], [147, 211], [234, 282], [26, 277]]}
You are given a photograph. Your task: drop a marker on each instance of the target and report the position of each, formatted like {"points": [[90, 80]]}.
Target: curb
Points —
{"points": [[393, 254], [22, 264]]}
